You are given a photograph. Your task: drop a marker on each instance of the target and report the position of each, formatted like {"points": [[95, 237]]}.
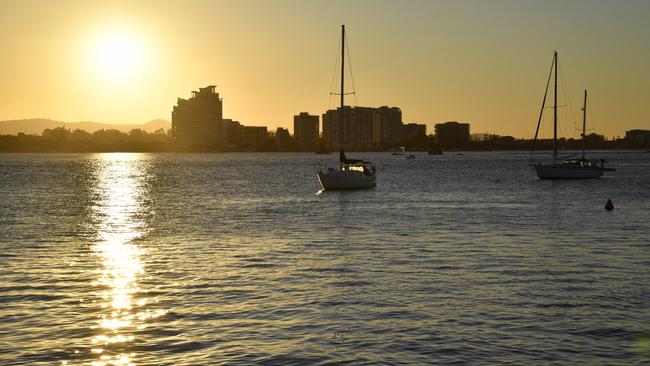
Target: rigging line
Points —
{"points": [[336, 68], [354, 89], [539, 121], [568, 101], [591, 119]]}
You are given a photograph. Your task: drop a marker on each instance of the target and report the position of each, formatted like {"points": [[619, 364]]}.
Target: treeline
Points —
{"points": [[511, 143], [61, 139]]}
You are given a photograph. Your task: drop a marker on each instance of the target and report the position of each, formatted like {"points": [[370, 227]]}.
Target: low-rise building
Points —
{"points": [[414, 131], [230, 133], [639, 138], [252, 137], [283, 140], [594, 140]]}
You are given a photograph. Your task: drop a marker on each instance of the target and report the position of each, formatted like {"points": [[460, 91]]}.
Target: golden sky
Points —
{"points": [[484, 62]]}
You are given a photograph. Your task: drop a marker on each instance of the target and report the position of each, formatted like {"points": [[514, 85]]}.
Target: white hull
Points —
{"points": [[345, 179], [559, 171]]}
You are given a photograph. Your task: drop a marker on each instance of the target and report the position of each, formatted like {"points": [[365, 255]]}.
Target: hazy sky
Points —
{"points": [[484, 62]]}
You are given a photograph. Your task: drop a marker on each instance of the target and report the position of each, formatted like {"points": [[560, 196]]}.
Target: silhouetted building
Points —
{"points": [[594, 140], [638, 137], [331, 129], [230, 132], [283, 140], [305, 131], [361, 125], [414, 131], [387, 126], [452, 134], [198, 120], [252, 137], [483, 136]]}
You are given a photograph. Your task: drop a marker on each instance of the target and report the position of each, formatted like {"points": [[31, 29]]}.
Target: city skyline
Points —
{"points": [[477, 62]]}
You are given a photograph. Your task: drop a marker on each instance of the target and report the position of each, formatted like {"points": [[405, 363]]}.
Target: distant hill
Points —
{"points": [[35, 126]]}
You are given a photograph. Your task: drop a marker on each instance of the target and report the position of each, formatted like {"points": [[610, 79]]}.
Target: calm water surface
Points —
{"points": [[234, 259]]}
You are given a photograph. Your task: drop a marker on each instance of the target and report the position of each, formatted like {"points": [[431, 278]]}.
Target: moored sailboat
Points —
{"points": [[351, 173], [565, 168]]}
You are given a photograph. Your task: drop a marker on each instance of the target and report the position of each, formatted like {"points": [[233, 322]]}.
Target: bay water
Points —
{"points": [[240, 259]]}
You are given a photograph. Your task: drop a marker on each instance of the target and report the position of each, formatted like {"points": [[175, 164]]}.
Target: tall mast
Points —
{"points": [[541, 111], [342, 86], [555, 112], [584, 124]]}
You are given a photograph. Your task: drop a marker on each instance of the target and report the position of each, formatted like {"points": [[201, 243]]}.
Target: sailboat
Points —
{"points": [[351, 173], [565, 168]]}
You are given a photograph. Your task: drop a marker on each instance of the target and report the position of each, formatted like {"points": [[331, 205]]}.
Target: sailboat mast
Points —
{"points": [[555, 113], [584, 124], [341, 114]]}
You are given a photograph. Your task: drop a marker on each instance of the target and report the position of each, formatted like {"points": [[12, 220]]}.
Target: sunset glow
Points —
{"points": [[475, 61], [324, 182]]}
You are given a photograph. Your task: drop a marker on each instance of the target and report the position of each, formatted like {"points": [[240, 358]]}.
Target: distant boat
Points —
{"points": [[565, 168], [435, 151], [402, 152], [351, 173]]}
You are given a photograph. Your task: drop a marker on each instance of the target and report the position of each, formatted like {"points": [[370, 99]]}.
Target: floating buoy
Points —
{"points": [[609, 205]]}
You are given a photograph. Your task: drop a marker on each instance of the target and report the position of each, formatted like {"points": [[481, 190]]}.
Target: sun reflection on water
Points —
{"points": [[119, 213]]}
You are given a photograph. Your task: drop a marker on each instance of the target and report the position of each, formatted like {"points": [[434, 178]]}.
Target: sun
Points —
{"points": [[118, 55]]}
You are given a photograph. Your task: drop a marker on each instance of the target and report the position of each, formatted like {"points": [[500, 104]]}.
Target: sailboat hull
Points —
{"points": [[559, 171], [345, 179]]}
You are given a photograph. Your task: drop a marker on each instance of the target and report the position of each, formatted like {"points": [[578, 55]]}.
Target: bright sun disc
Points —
{"points": [[118, 55]]}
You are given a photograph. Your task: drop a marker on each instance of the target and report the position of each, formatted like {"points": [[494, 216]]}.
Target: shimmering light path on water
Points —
{"points": [[158, 259]]}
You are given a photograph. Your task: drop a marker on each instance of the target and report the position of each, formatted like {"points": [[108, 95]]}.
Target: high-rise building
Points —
{"points": [[452, 134], [387, 126], [197, 120], [357, 131], [305, 131]]}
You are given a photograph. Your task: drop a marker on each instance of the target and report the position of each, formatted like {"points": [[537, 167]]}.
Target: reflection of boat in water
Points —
{"points": [[571, 168], [351, 173], [409, 157]]}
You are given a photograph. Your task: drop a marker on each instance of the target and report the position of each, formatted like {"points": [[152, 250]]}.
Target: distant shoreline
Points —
{"points": [[63, 140]]}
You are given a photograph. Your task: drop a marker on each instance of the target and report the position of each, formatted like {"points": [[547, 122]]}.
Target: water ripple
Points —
{"points": [[160, 259]]}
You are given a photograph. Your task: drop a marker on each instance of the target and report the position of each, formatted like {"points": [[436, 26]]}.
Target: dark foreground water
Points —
{"points": [[234, 259]]}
